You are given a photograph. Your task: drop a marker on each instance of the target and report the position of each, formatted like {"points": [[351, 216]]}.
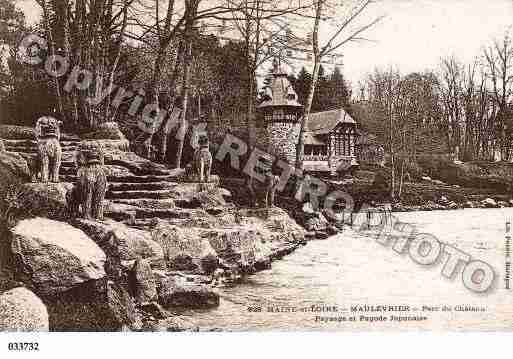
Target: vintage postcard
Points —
{"points": [[255, 165]]}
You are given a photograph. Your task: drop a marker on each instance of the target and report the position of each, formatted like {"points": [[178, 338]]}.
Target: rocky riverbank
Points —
{"points": [[371, 188], [107, 276], [164, 245]]}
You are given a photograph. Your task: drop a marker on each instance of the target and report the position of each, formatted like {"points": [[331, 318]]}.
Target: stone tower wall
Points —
{"points": [[283, 138]]}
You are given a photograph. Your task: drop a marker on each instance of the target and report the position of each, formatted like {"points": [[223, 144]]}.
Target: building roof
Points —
{"points": [[279, 92], [324, 122]]}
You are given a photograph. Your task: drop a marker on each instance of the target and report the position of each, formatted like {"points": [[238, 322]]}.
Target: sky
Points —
{"points": [[414, 34]]}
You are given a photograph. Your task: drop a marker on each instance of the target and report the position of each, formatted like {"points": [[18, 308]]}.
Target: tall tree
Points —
{"points": [[302, 85], [89, 35], [499, 72], [339, 91], [191, 10], [262, 25], [335, 40]]}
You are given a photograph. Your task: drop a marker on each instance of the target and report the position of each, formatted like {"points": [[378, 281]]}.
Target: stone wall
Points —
{"points": [[282, 139]]}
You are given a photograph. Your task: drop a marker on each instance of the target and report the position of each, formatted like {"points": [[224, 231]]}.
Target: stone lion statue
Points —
{"points": [[49, 150], [265, 189], [202, 160], [91, 183]]}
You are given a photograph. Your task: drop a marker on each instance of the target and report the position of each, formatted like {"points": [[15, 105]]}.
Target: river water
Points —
{"points": [[353, 269]]}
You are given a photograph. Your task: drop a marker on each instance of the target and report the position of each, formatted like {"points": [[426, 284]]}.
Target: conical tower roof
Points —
{"points": [[280, 93]]}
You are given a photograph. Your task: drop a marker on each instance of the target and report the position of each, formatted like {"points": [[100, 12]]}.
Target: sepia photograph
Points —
{"points": [[255, 166]]}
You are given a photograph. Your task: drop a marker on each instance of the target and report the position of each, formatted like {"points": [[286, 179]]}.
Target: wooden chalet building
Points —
{"points": [[330, 142]]}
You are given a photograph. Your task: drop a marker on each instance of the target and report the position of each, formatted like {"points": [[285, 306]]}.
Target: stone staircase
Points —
{"points": [[27, 148], [135, 195]]}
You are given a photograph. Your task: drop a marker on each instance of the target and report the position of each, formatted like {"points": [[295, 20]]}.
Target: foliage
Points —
{"points": [[332, 90]]}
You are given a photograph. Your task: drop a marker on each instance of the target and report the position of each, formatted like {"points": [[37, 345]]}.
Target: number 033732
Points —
{"points": [[25, 347]]}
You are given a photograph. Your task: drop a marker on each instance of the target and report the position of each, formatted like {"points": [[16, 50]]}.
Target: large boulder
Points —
{"points": [[109, 134], [239, 246], [316, 222], [44, 200], [489, 203], [14, 132], [13, 164], [212, 198], [189, 195], [22, 310], [443, 200], [101, 305], [282, 226], [257, 237], [53, 256], [13, 172], [243, 239], [184, 248], [177, 291], [122, 242]]}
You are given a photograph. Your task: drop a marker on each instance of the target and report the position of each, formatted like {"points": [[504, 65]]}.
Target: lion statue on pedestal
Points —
{"points": [[202, 161], [265, 190], [90, 187], [49, 152]]}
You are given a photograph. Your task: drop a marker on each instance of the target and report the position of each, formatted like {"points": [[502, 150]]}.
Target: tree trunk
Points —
{"points": [[250, 120], [52, 49], [164, 129], [185, 97], [185, 86], [116, 62], [392, 155], [300, 150]]}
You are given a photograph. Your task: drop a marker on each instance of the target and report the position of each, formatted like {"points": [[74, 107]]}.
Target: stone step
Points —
{"points": [[147, 223], [136, 178], [33, 150], [68, 164], [142, 169], [143, 178], [68, 178], [147, 214], [67, 156], [67, 171], [27, 142], [142, 194], [171, 180], [32, 153], [135, 186], [162, 213], [166, 203]]}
